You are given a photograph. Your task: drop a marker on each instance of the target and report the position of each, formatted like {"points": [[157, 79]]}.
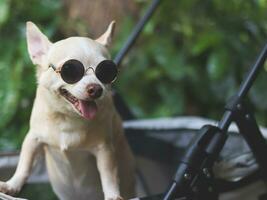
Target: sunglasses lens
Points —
{"points": [[72, 71], [106, 71]]}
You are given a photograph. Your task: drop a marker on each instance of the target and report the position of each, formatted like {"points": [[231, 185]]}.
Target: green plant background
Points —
{"points": [[189, 60]]}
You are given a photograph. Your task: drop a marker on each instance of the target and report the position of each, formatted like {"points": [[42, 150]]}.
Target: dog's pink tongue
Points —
{"points": [[88, 109]]}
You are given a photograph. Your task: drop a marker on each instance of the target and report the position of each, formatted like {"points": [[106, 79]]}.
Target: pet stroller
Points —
{"points": [[176, 156]]}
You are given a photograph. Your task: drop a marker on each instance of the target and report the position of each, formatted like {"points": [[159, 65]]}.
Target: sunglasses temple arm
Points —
{"points": [[53, 67]]}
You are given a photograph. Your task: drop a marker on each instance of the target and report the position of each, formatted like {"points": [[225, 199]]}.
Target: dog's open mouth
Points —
{"points": [[87, 109]]}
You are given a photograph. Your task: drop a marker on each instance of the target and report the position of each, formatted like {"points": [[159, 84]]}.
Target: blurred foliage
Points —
{"points": [[192, 57], [17, 79], [189, 60]]}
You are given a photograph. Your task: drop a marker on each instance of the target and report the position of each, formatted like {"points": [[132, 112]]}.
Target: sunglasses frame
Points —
{"points": [[58, 71]]}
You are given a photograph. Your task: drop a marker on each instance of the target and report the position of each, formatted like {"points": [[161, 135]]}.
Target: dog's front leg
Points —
{"points": [[29, 148], [108, 169]]}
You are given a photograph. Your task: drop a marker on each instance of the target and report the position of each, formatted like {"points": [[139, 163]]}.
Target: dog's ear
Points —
{"points": [[38, 43], [105, 39]]}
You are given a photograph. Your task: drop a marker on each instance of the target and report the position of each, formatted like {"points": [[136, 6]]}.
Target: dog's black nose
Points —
{"points": [[94, 91]]}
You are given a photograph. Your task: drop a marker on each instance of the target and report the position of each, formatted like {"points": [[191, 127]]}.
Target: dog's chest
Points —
{"points": [[70, 134], [73, 174], [68, 140]]}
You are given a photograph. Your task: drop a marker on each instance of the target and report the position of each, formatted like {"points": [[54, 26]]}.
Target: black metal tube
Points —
{"points": [[248, 127], [136, 32], [121, 106], [225, 121], [245, 86], [252, 74], [171, 192]]}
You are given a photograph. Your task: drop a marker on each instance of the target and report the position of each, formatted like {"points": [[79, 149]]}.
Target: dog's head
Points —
{"points": [[80, 56]]}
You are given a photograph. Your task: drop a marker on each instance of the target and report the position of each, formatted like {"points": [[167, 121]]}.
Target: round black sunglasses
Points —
{"points": [[73, 70]]}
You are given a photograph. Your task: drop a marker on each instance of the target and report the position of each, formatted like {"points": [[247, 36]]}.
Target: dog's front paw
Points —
{"points": [[8, 189], [115, 198]]}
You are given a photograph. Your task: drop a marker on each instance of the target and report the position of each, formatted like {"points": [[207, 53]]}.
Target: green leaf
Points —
{"points": [[205, 41], [217, 65], [4, 11], [9, 100]]}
